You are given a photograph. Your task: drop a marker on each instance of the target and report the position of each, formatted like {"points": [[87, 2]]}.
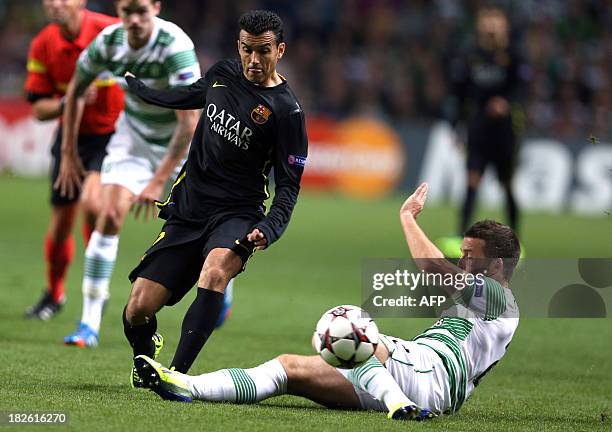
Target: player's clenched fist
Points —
{"points": [[258, 238]]}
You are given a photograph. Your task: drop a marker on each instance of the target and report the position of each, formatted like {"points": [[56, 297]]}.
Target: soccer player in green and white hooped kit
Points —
{"points": [[148, 145], [416, 379]]}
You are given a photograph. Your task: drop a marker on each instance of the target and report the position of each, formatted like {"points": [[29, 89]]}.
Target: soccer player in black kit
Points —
{"points": [[486, 85], [215, 215]]}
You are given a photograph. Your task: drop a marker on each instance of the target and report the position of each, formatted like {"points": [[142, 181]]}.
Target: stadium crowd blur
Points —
{"points": [[389, 57]]}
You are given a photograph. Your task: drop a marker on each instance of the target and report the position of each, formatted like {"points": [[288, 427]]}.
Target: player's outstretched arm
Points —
{"points": [[418, 243], [186, 124], [71, 168], [180, 98], [290, 158], [426, 255]]}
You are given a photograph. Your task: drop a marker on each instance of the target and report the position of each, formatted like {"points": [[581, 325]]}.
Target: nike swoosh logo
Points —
{"points": [[216, 84], [159, 237]]}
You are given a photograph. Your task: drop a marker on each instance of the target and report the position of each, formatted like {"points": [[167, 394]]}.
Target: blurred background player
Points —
{"points": [[487, 83], [51, 64], [146, 148]]}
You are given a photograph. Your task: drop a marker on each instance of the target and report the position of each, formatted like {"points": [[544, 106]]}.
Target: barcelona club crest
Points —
{"points": [[260, 114]]}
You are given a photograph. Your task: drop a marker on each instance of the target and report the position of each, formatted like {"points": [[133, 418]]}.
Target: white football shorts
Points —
{"points": [[418, 370], [131, 161]]}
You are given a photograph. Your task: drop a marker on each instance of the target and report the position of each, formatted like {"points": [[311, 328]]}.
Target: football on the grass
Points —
{"points": [[346, 336]]}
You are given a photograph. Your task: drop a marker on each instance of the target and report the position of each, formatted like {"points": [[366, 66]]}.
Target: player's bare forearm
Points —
{"points": [[426, 255], [187, 121], [73, 112], [177, 148], [71, 169], [419, 244], [48, 108]]}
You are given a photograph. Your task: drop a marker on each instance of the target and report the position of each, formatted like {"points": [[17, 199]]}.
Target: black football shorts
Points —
{"points": [[176, 257], [492, 142], [92, 151]]}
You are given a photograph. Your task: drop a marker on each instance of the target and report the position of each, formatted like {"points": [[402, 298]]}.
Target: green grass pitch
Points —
{"points": [[557, 374]]}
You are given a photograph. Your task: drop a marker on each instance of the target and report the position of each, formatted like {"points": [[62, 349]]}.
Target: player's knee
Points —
{"points": [[138, 307], [291, 364], [90, 205], [110, 220], [214, 277]]}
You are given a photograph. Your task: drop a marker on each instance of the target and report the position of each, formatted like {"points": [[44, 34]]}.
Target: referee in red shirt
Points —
{"points": [[51, 64]]}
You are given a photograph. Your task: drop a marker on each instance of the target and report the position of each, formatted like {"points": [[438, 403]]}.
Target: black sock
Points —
{"points": [[468, 209], [139, 336], [198, 324]]}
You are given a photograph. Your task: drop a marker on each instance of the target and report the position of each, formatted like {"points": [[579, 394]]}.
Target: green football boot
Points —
{"points": [[168, 384]]}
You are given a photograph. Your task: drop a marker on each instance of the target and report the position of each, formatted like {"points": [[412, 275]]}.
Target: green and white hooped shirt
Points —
{"points": [[472, 336], [167, 60]]}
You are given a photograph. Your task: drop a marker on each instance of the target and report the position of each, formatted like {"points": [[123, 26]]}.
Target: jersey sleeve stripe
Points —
{"points": [[180, 61], [36, 66], [464, 296], [109, 82], [496, 300]]}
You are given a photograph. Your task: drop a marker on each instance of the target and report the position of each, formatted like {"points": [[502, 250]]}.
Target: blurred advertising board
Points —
{"points": [[368, 158], [25, 143]]}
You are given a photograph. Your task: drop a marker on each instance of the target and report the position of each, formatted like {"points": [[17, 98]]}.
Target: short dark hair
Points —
{"points": [[152, 1], [257, 22], [500, 242]]}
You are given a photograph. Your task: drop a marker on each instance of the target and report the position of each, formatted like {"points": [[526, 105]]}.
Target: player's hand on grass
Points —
{"points": [[415, 202], [145, 202], [258, 238], [70, 176]]}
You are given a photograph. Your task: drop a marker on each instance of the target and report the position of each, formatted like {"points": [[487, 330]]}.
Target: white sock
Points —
{"points": [[375, 379], [100, 257], [240, 385]]}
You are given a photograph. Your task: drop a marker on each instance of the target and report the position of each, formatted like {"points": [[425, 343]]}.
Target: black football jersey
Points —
{"points": [[245, 130], [477, 75]]}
